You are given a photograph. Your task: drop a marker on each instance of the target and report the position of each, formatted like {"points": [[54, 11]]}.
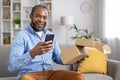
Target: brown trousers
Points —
{"points": [[53, 75]]}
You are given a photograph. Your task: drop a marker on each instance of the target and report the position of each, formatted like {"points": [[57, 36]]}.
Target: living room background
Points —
{"points": [[82, 19], [86, 14]]}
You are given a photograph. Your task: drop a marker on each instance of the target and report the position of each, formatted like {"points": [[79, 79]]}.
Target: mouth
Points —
{"points": [[40, 24]]}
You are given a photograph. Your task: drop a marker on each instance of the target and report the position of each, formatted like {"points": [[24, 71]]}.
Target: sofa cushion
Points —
{"points": [[4, 55], [7, 78], [96, 62], [95, 76], [61, 67]]}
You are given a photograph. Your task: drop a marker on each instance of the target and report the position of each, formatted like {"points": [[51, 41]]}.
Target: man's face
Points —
{"points": [[39, 18]]}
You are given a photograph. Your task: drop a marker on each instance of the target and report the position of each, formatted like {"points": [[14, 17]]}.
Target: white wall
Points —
{"points": [[82, 20]]}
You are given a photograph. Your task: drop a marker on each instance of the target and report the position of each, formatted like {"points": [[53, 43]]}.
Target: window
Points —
{"points": [[112, 19]]}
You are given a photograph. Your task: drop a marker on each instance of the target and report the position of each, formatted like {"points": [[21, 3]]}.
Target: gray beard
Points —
{"points": [[40, 29]]}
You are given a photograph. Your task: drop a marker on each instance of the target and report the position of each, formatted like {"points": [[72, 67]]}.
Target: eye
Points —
{"points": [[45, 17], [38, 16]]}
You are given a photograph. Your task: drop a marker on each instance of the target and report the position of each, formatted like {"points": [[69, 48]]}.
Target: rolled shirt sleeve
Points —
{"points": [[17, 57]]}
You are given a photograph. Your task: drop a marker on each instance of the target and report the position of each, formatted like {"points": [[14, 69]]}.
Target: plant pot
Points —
{"points": [[16, 26]]}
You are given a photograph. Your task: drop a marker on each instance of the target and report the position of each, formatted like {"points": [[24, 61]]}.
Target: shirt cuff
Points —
{"points": [[27, 58]]}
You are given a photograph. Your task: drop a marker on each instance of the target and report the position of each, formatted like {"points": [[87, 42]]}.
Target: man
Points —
{"points": [[32, 56]]}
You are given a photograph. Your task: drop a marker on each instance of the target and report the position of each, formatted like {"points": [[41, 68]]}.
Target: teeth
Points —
{"points": [[40, 25]]}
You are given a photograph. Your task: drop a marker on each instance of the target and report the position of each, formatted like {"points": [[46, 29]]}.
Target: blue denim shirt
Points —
{"points": [[20, 58]]}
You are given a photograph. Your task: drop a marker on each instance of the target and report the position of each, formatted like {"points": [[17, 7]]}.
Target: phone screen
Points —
{"points": [[49, 37]]}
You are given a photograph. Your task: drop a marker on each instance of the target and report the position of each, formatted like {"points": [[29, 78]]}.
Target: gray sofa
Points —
{"points": [[113, 67]]}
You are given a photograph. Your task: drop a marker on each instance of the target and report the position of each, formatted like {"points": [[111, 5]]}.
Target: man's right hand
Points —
{"points": [[41, 48]]}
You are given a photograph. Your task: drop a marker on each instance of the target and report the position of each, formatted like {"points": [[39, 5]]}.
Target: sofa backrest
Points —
{"points": [[62, 67], [4, 55]]}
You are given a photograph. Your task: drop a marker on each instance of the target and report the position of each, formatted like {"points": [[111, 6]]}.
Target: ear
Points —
{"points": [[30, 16]]}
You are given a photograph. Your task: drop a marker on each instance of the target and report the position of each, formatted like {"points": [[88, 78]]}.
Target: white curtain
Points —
{"points": [[115, 47], [111, 27]]}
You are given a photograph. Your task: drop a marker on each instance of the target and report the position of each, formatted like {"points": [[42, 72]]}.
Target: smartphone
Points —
{"points": [[49, 37]]}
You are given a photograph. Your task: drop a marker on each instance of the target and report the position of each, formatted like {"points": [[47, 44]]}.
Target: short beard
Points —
{"points": [[40, 29], [37, 29]]}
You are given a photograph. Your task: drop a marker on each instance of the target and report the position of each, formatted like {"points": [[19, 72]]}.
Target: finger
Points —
{"points": [[44, 50], [48, 45], [49, 42], [80, 60]]}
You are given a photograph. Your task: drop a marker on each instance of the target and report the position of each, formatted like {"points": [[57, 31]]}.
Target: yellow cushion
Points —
{"points": [[95, 63]]}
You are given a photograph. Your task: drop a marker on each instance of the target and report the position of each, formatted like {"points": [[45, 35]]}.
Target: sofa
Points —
{"points": [[112, 74]]}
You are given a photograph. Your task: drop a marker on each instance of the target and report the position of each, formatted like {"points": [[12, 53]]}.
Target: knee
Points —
{"points": [[26, 77], [79, 76]]}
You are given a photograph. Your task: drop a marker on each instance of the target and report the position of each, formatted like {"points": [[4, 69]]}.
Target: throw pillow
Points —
{"points": [[95, 63]]}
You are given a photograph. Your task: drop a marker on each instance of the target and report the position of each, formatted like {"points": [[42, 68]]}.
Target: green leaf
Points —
{"points": [[83, 33]]}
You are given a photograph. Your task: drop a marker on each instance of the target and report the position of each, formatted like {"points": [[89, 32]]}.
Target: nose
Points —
{"points": [[41, 19]]}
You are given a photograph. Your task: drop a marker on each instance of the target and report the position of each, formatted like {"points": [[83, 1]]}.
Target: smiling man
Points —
{"points": [[33, 56]]}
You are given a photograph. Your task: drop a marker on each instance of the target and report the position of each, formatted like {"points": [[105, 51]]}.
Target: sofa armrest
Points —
{"points": [[114, 69]]}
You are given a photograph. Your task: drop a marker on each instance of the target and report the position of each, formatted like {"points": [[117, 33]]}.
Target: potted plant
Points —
{"points": [[83, 34], [16, 22], [85, 38]]}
